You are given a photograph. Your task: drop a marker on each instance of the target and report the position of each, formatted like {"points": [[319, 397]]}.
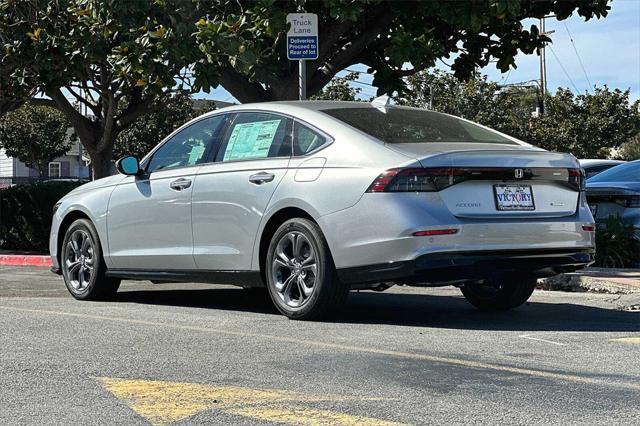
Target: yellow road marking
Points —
{"points": [[308, 416], [348, 348], [634, 340], [163, 402]]}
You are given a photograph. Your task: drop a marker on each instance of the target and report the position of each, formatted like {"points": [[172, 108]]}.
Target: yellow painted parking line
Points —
{"points": [[309, 416], [633, 340], [347, 348], [163, 402]]}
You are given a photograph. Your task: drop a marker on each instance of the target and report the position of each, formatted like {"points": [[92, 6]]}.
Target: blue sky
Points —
{"points": [[609, 49]]}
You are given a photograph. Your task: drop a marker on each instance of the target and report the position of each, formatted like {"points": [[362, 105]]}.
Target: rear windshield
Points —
{"points": [[408, 125], [629, 172]]}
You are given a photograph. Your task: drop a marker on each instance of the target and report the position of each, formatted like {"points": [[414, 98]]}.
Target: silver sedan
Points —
{"points": [[313, 199]]}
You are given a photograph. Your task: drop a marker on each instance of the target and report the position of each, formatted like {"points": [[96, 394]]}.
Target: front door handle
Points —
{"points": [[262, 177], [180, 184]]}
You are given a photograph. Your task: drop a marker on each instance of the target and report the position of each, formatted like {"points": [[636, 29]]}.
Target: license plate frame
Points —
{"points": [[501, 206]]}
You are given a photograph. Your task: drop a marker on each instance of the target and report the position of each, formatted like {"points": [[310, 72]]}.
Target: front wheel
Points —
{"points": [[300, 273], [499, 295], [83, 266]]}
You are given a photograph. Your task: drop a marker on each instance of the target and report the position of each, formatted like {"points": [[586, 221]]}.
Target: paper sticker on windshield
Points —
{"points": [[251, 140]]}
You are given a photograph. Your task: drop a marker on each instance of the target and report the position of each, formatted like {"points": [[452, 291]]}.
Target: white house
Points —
{"points": [[74, 164]]}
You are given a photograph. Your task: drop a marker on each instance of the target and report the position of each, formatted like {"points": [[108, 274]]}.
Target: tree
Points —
{"points": [[630, 150], [35, 135], [587, 125], [113, 58], [146, 132], [339, 89], [246, 40]]}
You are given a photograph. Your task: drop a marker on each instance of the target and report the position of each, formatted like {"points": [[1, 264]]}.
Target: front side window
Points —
{"points": [[305, 139], [255, 135], [188, 147], [410, 125]]}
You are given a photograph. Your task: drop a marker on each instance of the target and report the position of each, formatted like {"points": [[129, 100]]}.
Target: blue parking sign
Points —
{"points": [[302, 37]]}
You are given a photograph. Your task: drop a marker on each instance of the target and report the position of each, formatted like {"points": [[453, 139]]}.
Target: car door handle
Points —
{"points": [[262, 177], [180, 184]]}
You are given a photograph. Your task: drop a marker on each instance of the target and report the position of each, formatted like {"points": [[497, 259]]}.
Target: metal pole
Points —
{"points": [[543, 71], [302, 80]]}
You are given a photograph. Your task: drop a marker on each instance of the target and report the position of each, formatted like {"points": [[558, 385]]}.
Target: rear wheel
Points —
{"points": [[499, 295], [301, 276], [83, 266]]}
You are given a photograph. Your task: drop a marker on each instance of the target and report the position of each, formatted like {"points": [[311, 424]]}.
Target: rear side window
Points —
{"points": [[256, 135], [409, 125], [305, 139]]}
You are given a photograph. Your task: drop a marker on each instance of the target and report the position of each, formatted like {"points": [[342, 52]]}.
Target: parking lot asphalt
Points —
{"points": [[191, 353]]}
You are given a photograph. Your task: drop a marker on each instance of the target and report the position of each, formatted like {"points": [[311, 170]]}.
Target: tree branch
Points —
{"points": [[372, 28], [240, 86], [82, 125]]}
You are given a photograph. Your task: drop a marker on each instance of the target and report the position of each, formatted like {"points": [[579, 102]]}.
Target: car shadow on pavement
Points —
{"points": [[454, 312], [417, 310]]}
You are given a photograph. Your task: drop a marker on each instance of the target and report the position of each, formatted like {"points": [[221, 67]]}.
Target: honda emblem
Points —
{"points": [[519, 173]]}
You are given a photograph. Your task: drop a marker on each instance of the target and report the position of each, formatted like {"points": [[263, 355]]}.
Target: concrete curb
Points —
{"points": [[597, 280], [25, 260]]}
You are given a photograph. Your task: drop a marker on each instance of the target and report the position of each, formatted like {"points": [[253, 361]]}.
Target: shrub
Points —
{"points": [[26, 212], [615, 246]]}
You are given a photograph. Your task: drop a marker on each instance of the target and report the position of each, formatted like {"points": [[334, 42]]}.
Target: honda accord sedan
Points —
{"points": [[314, 199]]}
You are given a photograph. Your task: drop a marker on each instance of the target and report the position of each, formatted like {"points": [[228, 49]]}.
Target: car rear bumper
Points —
{"points": [[451, 267]]}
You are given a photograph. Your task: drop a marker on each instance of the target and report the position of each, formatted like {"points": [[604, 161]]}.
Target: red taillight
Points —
{"points": [[577, 178], [588, 228], [416, 180], [381, 182], [432, 232]]}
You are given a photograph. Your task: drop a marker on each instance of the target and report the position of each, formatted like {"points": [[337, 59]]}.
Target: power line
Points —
{"points": [[563, 69], [578, 55]]}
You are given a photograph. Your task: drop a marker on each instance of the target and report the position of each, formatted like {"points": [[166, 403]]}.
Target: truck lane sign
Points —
{"points": [[302, 38]]}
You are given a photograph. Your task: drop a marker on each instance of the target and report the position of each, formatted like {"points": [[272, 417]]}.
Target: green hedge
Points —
{"points": [[26, 212], [615, 246]]}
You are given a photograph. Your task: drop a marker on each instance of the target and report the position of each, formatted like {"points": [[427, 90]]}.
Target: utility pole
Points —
{"points": [[543, 69], [543, 64]]}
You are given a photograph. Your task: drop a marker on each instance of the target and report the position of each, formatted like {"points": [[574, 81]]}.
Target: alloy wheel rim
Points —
{"points": [[79, 260], [294, 269]]}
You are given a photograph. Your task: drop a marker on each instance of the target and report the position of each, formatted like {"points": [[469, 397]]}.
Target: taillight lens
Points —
{"points": [[629, 201], [416, 180], [438, 178], [577, 178]]}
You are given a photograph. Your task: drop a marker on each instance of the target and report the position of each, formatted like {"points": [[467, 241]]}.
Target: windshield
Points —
{"points": [[629, 172], [409, 125]]}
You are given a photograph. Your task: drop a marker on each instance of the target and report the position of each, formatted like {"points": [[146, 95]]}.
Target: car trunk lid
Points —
{"points": [[498, 183]]}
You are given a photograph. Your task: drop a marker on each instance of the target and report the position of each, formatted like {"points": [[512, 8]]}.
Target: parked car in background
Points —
{"points": [[616, 192], [313, 199], [594, 166]]}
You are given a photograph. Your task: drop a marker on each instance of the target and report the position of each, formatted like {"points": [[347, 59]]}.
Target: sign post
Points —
{"points": [[302, 44]]}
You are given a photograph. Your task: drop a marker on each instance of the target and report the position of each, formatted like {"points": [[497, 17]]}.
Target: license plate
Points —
{"points": [[514, 197]]}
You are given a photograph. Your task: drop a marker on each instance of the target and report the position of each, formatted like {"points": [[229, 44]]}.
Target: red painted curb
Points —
{"points": [[24, 260]]}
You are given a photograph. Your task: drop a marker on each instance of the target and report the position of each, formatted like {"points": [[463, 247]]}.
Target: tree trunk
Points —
{"points": [[101, 161]]}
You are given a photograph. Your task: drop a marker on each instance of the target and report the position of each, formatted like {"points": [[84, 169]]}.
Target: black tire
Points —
{"points": [[499, 295], [98, 286], [328, 293]]}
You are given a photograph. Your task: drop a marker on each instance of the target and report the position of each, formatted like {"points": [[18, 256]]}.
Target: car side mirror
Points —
{"points": [[128, 165]]}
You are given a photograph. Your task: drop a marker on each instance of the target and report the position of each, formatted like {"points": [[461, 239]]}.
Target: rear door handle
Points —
{"points": [[180, 184], [262, 177]]}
